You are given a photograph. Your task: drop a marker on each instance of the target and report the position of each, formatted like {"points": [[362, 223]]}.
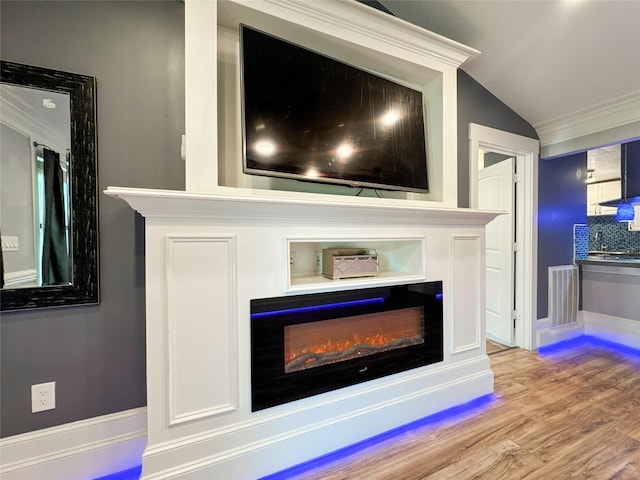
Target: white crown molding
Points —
{"points": [[597, 118], [374, 25]]}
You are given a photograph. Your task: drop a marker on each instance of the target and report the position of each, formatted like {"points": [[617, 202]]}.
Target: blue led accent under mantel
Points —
{"points": [[326, 306]]}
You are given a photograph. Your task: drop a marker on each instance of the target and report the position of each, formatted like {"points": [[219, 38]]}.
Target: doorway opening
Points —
{"points": [[496, 191], [520, 299]]}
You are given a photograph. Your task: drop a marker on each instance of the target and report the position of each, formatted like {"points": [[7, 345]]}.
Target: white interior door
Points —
{"points": [[496, 191]]}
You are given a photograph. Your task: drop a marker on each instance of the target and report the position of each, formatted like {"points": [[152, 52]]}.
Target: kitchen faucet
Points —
{"points": [[599, 238]]}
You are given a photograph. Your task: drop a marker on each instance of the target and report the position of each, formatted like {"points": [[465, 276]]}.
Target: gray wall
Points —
{"points": [[478, 105], [96, 354], [562, 202], [612, 294]]}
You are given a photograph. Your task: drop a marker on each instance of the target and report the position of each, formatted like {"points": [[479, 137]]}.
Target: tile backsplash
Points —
{"points": [[616, 236], [580, 242]]}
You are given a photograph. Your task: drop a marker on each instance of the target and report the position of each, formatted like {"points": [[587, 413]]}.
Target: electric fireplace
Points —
{"points": [[305, 345]]}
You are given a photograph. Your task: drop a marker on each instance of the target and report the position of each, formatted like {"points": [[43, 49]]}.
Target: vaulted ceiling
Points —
{"points": [[552, 61]]}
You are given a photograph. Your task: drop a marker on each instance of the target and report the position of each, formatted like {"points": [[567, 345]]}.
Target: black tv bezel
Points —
{"points": [[246, 169]]}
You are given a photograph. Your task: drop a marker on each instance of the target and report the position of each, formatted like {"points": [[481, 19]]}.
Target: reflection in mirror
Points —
{"points": [[48, 213], [35, 143], [603, 179]]}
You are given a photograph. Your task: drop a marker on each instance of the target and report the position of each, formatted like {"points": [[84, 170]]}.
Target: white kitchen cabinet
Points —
{"points": [[602, 192], [635, 224]]}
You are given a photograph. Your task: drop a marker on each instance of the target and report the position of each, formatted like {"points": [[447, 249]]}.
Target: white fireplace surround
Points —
{"points": [[212, 248], [208, 255]]}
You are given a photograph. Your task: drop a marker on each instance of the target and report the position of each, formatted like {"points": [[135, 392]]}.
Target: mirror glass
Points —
{"points": [[35, 149], [48, 217]]}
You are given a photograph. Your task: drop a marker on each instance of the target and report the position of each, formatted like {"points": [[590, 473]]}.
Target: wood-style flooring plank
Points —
{"points": [[573, 414]]}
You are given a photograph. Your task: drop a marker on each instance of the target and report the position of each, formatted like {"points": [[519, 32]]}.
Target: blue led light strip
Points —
{"points": [[446, 417], [318, 307]]}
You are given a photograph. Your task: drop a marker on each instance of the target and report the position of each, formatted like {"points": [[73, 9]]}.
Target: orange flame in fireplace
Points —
{"points": [[341, 346], [338, 339]]}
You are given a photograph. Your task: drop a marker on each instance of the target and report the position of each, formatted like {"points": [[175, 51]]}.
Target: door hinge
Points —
{"points": [[516, 246], [516, 177]]}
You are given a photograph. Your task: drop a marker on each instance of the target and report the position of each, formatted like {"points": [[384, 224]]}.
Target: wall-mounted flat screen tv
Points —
{"points": [[310, 117]]}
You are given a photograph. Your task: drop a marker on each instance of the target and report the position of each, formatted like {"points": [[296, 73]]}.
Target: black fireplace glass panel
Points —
{"points": [[404, 321]]}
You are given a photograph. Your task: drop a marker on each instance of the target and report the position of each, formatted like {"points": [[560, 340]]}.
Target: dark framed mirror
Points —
{"points": [[49, 217]]}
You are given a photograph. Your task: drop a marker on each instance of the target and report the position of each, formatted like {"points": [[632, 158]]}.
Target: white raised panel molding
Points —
{"points": [[200, 326], [467, 289]]}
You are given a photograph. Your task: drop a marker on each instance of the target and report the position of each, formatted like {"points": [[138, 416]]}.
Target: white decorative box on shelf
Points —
{"points": [[349, 262]]}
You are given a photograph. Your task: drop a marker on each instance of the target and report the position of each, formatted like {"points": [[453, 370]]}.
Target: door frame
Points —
{"points": [[526, 152]]}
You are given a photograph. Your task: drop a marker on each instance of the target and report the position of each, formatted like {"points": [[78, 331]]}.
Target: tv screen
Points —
{"points": [[310, 117]]}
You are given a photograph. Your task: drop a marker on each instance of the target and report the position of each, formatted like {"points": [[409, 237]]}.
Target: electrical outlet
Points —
{"points": [[43, 397]]}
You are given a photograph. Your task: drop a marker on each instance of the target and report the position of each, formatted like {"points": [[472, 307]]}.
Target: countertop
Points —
{"points": [[615, 259]]}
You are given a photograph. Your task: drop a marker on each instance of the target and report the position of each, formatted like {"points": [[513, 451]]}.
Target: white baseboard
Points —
{"points": [[545, 335], [613, 329], [23, 278], [605, 327], [219, 454], [81, 450]]}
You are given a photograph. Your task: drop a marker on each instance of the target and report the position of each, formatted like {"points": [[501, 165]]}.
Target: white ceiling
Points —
{"points": [[548, 60]]}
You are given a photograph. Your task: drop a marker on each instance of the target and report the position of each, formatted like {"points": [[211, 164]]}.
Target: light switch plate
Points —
{"points": [[10, 244]]}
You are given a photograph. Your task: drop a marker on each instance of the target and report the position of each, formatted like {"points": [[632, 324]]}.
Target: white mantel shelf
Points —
{"points": [[259, 205]]}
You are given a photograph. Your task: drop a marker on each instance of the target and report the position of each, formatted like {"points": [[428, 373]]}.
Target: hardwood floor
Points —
{"points": [[495, 347], [569, 414]]}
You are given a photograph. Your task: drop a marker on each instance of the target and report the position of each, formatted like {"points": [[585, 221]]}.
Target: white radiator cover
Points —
{"points": [[563, 295]]}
